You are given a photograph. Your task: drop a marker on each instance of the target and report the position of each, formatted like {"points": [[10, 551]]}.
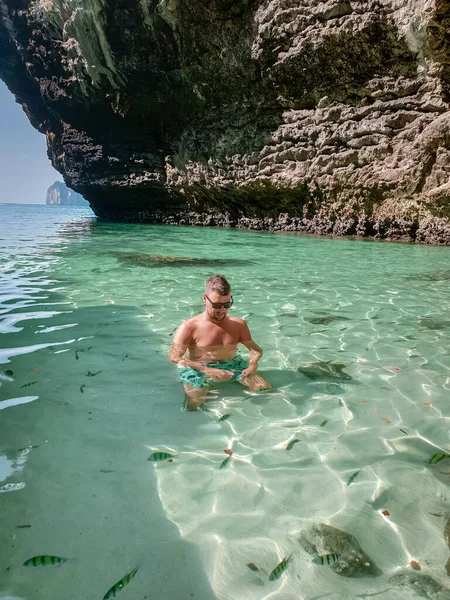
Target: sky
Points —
{"points": [[26, 172]]}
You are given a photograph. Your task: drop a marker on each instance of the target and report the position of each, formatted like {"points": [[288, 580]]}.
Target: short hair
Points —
{"points": [[218, 283]]}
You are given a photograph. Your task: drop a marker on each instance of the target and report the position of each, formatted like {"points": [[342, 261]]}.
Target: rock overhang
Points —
{"points": [[331, 112]]}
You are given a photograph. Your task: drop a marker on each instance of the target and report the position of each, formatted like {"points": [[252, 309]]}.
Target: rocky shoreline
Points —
{"points": [[430, 230]]}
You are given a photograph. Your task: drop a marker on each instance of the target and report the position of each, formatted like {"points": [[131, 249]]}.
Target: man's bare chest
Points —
{"points": [[217, 336]]}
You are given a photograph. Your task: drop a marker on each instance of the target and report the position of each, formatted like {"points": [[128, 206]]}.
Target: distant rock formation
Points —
{"points": [[59, 193]]}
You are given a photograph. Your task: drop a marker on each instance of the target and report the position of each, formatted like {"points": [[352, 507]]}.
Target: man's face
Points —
{"points": [[216, 314]]}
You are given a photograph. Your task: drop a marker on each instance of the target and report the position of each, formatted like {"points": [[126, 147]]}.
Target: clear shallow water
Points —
{"points": [[88, 316]]}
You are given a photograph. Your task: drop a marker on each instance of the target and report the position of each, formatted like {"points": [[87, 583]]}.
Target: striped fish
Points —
{"points": [[225, 417], [117, 587], [225, 462], [28, 384], [437, 458], [326, 559], [352, 478], [9, 373], [43, 560], [280, 568], [292, 444], [203, 408], [157, 456]]}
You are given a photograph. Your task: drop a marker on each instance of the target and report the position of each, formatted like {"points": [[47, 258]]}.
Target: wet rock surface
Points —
{"points": [[423, 586], [447, 541], [324, 371], [322, 117], [353, 562]]}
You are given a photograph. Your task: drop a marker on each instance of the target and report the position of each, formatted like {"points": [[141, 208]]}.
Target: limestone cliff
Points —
{"points": [[59, 193], [326, 116]]}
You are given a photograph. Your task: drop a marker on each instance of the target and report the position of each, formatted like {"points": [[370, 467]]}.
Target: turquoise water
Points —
{"points": [[356, 343]]}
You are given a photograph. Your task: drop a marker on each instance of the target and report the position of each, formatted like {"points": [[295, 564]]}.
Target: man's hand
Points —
{"points": [[218, 374], [250, 370]]}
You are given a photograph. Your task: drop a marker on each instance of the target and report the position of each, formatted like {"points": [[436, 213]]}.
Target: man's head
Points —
{"points": [[217, 294]]}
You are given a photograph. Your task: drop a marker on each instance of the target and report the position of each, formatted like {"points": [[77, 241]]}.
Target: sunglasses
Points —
{"points": [[220, 304]]}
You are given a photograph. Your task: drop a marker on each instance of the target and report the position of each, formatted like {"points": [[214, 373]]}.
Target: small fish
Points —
{"points": [[292, 444], [23, 526], [252, 567], [89, 374], [184, 406], [415, 565], [326, 559], [44, 560], [224, 417], [106, 471], [35, 369], [280, 568], [82, 388], [9, 373], [169, 460], [437, 458], [385, 513], [157, 456], [117, 587], [12, 487], [426, 404], [403, 431], [203, 408], [386, 420], [324, 423], [225, 462], [28, 384], [259, 496], [352, 478], [393, 368], [229, 452], [76, 354], [363, 402], [435, 514]]}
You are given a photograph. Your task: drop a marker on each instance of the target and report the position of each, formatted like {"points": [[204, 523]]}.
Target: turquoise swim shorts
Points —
{"points": [[198, 379]]}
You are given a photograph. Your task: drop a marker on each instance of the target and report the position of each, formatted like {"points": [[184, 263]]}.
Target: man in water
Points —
{"points": [[210, 340]]}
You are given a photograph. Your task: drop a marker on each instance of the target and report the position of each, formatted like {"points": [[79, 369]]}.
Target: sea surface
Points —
{"points": [[356, 339]]}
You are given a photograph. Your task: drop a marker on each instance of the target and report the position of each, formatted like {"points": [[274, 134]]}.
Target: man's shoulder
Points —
{"points": [[237, 320], [192, 322], [186, 331]]}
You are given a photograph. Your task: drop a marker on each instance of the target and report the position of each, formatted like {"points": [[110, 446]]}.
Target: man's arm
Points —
{"points": [[255, 351]]}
